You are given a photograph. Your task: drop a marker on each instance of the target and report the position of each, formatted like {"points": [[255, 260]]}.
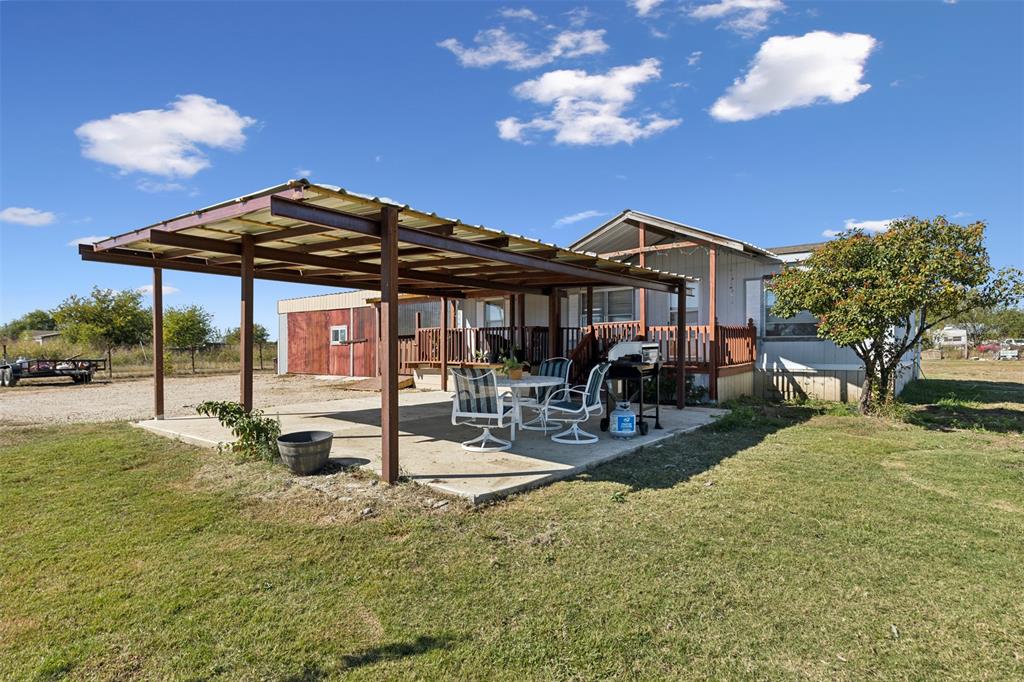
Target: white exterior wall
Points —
{"points": [[282, 343], [536, 311]]}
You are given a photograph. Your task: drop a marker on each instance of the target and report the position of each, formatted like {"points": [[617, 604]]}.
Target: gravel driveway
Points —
{"points": [[58, 401]]}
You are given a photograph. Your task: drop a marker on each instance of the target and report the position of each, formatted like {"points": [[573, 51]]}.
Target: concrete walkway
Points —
{"points": [[429, 446]]}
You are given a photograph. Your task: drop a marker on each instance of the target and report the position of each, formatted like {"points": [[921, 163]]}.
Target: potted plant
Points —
{"points": [[512, 367]]}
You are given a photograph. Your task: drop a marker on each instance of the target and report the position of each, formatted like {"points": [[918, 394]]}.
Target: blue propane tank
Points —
{"points": [[622, 421]]}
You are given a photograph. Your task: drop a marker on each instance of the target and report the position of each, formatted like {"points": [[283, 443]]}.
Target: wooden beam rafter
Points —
{"points": [[319, 215]]}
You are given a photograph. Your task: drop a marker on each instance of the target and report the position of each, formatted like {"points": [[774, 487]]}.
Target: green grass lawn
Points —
{"points": [[790, 542]]}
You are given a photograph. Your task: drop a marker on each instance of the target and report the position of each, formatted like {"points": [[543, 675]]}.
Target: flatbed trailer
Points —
{"points": [[80, 370]]}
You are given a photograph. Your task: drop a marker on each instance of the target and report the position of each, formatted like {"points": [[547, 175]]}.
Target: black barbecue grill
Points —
{"points": [[631, 364]]}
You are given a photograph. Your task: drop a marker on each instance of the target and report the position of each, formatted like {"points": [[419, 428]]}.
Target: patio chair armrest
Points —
{"points": [[566, 392]]}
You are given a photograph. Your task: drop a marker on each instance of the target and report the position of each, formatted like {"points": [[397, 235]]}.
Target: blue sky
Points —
{"points": [[772, 121]]}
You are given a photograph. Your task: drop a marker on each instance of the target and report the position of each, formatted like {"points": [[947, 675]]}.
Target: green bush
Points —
{"points": [[255, 435]]}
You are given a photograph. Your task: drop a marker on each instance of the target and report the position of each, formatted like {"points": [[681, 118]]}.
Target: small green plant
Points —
{"points": [[510, 364], [255, 435]]}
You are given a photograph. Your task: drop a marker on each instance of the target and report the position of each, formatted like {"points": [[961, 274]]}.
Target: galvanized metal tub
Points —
{"points": [[305, 452]]}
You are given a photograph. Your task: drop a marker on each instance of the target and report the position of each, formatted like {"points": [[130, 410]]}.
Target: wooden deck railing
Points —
{"points": [[732, 345]]}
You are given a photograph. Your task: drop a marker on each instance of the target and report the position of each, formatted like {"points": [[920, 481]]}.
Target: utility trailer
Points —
{"points": [[81, 370]]}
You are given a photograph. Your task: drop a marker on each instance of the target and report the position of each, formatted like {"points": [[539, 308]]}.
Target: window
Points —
{"points": [[692, 306], [801, 324], [494, 313], [339, 334], [609, 306]]}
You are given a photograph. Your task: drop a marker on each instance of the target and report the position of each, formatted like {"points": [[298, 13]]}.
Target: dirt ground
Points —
{"points": [[60, 401]]}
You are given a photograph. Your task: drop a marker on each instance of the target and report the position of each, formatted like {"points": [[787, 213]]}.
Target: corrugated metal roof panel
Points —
{"points": [[341, 299]]}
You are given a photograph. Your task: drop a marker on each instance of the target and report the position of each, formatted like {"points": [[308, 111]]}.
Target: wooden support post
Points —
{"points": [[681, 348], [376, 327], [444, 344], [389, 342], [512, 325], [245, 328], [523, 336], [590, 307], [554, 323], [158, 343], [643, 292], [712, 323]]}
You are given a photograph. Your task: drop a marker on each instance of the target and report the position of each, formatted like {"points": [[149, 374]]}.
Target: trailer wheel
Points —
{"points": [[3, 376], [88, 377], [77, 378], [12, 380]]}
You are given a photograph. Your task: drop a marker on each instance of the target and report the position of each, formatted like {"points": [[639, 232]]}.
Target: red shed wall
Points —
{"points": [[309, 342]]}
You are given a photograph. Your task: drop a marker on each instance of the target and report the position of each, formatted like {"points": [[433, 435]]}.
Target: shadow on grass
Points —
{"points": [[947, 404], [397, 650], [675, 461], [946, 417], [937, 391]]}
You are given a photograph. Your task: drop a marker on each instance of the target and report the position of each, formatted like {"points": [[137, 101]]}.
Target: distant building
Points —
{"points": [[41, 336], [950, 337]]}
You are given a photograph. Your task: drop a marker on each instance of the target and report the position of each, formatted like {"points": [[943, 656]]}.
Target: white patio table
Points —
{"points": [[527, 382]]}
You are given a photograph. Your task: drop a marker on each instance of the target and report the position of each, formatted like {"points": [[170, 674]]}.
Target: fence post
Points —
{"points": [[752, 336]]}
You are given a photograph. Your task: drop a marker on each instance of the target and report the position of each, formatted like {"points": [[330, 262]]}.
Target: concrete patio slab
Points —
{"points": [[430, 449]]}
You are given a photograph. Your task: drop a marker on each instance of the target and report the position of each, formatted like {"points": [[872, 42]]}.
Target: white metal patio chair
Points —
{"points": [[561, 405], [552, 367], [477, 403]]}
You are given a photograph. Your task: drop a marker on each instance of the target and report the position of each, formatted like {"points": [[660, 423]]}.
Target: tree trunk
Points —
{"points": [[867, 388], [883, 385], [193, 359], [110, 363], [864, 404]]}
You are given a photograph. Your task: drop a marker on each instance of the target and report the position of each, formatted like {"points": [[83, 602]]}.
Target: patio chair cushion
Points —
{"points": [[475, 392], [566, 405], [594, 382], [552, 367]]}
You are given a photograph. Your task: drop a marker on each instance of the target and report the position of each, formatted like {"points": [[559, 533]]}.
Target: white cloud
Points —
{"points": [[304, 172], [869, 226], [745, 17], [644, 7], [147, 289], [23, 215], [694, 57], [154, 187], [577, 217], [578, 16], [588, 109], [797, 71], [88, 240], [960, 214], [521, 13], [498, 46], [167, 141]]}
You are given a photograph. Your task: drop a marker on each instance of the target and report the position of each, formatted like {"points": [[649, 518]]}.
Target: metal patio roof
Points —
{"points": [[323, 234]]}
